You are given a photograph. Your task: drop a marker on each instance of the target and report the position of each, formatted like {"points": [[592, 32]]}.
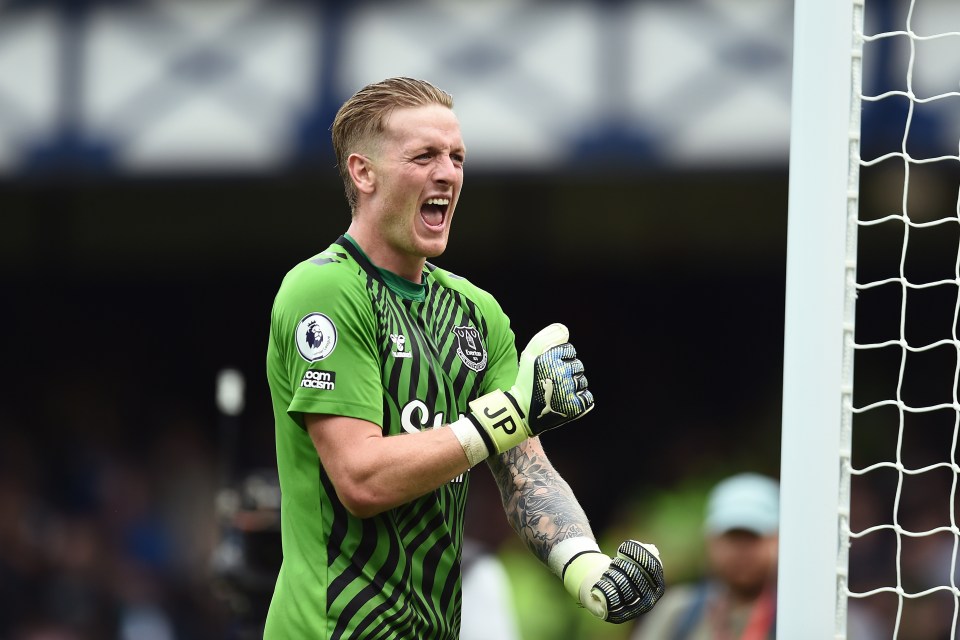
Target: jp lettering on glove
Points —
{"points": [[550, 390], [614, 589]]}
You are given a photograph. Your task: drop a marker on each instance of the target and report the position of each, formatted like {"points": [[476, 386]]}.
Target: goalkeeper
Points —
{"points": [[390, 379]]}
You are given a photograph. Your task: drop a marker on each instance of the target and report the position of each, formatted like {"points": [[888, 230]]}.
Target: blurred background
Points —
{"points": [[164, 163]]}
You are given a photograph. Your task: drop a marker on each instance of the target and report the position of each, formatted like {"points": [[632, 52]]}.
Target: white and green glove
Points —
{"points": [[616, 590], [550, 390]]}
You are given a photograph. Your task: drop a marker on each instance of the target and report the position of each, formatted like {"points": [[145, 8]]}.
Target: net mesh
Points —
{"points": [[898, 526]]}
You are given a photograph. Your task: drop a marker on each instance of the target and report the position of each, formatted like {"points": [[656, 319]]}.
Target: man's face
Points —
{"points": [[743, 560], [419, 174]]}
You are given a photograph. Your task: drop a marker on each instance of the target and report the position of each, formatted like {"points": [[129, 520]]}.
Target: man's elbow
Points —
{"points": [[362, 502]]}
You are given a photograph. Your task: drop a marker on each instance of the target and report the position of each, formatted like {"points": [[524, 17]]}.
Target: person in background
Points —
{"points": [[736, 600], [488, 603]]}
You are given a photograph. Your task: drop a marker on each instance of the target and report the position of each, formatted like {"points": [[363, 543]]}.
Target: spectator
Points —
{"points": [[736, 598], [487, 595]]}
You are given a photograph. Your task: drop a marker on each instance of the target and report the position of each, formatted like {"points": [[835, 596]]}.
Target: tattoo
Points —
{"points": [[539, 504]]}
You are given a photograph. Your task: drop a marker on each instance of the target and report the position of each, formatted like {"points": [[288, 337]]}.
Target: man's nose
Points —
{"points": [[444, 171]]}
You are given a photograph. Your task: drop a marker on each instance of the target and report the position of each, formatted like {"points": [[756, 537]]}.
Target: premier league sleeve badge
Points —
{"points": [[316, 337]]}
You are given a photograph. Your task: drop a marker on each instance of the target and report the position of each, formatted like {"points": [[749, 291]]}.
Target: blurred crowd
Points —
{"points": [[102, 540]]}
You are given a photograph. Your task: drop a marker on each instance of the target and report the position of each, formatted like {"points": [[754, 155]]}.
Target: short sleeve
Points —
{"points": [[323, 324]]}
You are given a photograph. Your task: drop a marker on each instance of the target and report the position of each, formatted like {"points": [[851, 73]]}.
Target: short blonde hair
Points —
{"points": [[361, 117]]}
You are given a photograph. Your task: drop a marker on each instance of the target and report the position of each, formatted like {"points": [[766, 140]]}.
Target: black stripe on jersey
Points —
{"points": [[382, 304], [369, 539], [459, 382], [451, 307], [400, 619], [462, 311], [373, 621], [454, 504], [372, 272], [433, 555], [378, 583], [411, 620], [395, 625], [431, 562], [432, 559], [458, 373], [326, 258], [449, 587], [401, 317], [338, 529], [352, 250], [423, 359], [411, 514]]}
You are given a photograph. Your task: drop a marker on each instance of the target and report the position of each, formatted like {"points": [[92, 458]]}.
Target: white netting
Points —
{"points": [[903, 418]]}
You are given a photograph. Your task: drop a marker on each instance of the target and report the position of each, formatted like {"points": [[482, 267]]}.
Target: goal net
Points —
{"points": [[869, 472]]}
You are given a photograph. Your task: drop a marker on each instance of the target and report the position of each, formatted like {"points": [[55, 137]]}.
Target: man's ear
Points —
{"points": [[361, 172]]}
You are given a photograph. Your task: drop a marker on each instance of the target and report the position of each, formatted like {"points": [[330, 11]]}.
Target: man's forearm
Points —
{"points": [[539, 504]]}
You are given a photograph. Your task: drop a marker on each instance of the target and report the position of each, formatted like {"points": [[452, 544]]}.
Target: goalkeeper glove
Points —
{"points": [[550, 390], [615, 590]]}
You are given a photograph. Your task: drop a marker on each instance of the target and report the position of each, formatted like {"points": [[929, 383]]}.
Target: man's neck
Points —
{"points": [[381, 256]]}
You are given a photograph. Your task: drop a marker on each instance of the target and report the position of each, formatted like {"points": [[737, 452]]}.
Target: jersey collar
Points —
{"points": [[404, 288]]}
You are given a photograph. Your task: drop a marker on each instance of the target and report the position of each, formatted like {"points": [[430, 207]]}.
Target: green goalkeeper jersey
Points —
{"points": [[349, 339]]}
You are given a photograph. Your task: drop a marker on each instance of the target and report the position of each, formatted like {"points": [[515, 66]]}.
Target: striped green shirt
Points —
{"points": [[348, 339]]}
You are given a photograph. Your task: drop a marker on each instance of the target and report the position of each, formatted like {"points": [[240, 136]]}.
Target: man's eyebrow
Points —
{"points": [[432, 148]]}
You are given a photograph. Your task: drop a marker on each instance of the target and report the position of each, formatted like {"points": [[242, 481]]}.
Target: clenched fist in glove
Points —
{"points": [[615, 589], [550, 390]]}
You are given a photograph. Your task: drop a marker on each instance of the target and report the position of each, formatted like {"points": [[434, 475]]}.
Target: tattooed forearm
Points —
{"points": [[539, 504]]}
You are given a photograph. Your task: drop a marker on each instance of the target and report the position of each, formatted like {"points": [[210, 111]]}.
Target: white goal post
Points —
{"points": [[817, 378], [870, 481]]}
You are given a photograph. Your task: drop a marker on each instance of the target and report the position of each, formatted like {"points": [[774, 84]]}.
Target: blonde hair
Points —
{"points": [[361, 117]]}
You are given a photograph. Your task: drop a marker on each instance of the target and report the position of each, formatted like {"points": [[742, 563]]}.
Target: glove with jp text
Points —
{"points": [[550, 390]]}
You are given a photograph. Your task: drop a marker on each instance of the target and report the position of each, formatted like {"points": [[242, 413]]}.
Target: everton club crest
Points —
{"points": [[470, 348]]}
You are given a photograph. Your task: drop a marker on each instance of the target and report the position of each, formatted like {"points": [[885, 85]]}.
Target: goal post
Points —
{"points": [[818, 318], [870, 474]]}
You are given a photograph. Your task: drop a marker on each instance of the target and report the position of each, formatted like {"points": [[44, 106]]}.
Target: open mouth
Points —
{"points": [[434, 211]]}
